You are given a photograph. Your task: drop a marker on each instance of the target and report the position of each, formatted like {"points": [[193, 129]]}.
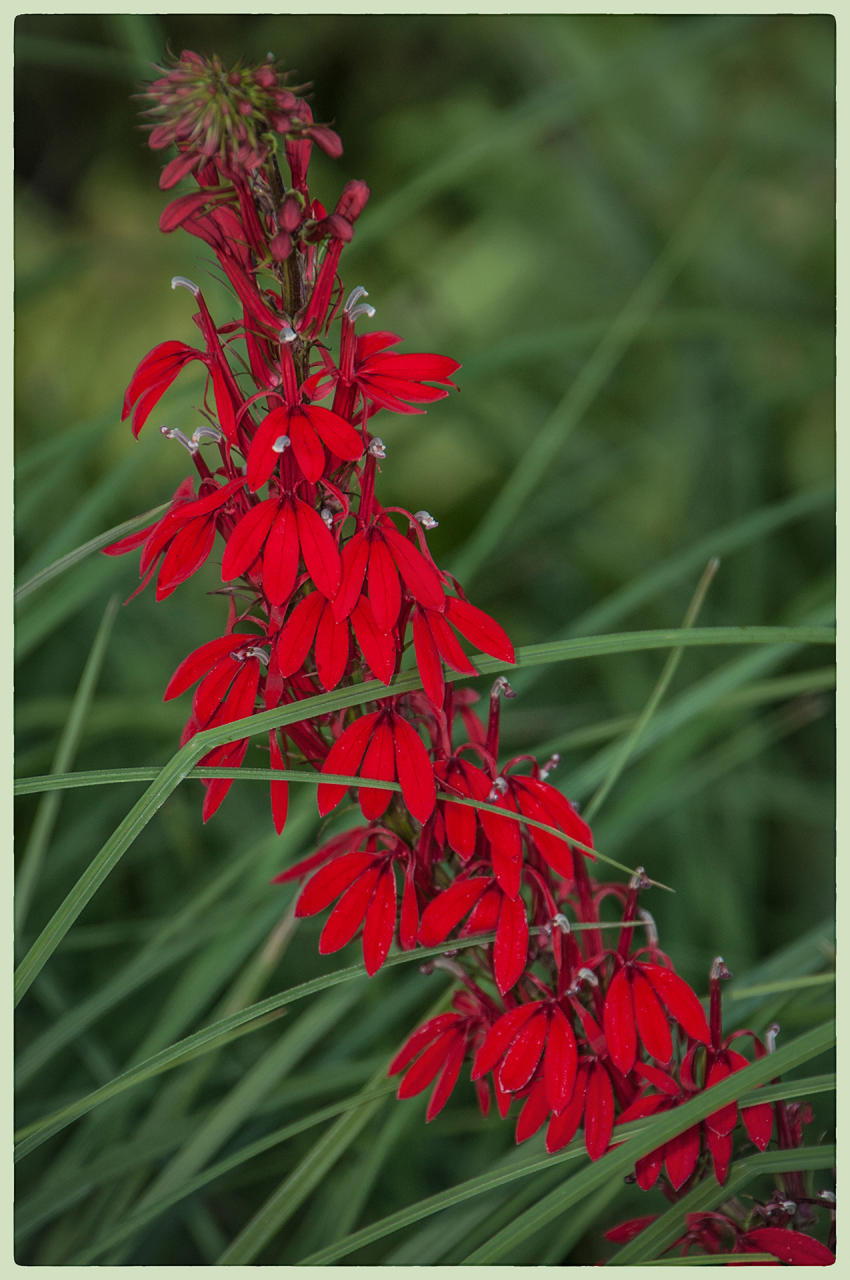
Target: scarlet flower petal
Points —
{"points": [[680, 1156], [510, 950], [383, 585], [534, 1111], [347, 916], [408, 926], [421, 578], [262, 459], [318, 549], [500, 1037], [428, 659], [520, 1062], [378, 762], [280, 560], [682, 1002], [247, 538], [425, 1068], [651, 1019], [598, 1112], [200, 661], [344, 758], [379, 927], [414, 770], [446, 911], [758, 1122], [279, 790], [354, 561], [306, 445], [339, 435], [560, 1062], [792, 1247], [297, 634], [330, 881], [377, 646], [564, 1125], [423, 1035], [331, 649], [448, 1078], [188, 551], [480, 629]]}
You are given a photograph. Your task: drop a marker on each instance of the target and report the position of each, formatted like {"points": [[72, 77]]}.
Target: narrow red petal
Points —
{"points": [[510, 949], [501, 1036], [383, 586], [378, 647], [344, 758], [560, 1063], [680, 999], [318, 549], [422, 1036], [379, 763], [331, 649], [598, 1112], [413, 770], [330, 881], [281, 556], [347, 915], [246, 539], [520, 1062], [379, 928], [199, 662], [421, 578], [480, 629], [652, 1024], [297, 634], [448, 1078], [446, 911]]}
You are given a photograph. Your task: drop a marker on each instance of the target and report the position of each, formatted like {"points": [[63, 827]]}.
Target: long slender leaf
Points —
{"points": [[48, 810], [183, 760], [639, 1139]]}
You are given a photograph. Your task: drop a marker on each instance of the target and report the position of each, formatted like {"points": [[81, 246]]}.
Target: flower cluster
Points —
{"points": [[327, 588]]}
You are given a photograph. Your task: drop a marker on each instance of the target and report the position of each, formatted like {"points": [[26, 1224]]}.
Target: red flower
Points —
{"points": [[438, 1048], [182, 539], [384, 746], [491, 908], [153, 377], [379, 555], [523, 1038], [274, 536], [229, 672], [307, 427], [641, 997], [435, 642], [388, 380], [794, 1248], [365, 885]]}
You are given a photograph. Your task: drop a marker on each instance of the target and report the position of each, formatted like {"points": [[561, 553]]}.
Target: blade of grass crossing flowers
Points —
{"points": [[549, 440], [707, 1196], [668, 671], [639, 1139], [185, 759], [48, 810]]}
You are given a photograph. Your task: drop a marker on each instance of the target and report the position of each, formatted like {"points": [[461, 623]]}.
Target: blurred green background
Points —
{"points": [[624, 228]]}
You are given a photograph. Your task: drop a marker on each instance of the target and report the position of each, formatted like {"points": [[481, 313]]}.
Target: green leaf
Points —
{"points": [[641, 1138]]}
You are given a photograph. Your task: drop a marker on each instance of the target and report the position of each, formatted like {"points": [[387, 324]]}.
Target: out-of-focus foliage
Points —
{"points": [[624, 222]]}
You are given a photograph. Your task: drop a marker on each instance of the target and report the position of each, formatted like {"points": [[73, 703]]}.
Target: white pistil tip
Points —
{"points": [[770, 1037], [651, 930], [281, 443], [174, 433], [426, 519], [182, 282], [552, 763], [377, 448], [497, 790], [206, 433], [588, 976], [328, 516], [354, 297], [561, 922], [287, 334], [501, 687]]}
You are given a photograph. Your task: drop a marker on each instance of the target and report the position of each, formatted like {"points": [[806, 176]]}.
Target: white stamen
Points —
{"points": [[501, 687], [354, 297], [426, 519], [552, 763], [770, 1037], [328, 516], [281, 443], [651, 930], [256, 653], [174, 433], [206, 433], [287, 334], [497, 790], [588, 976], [363, 310], [561, 922], [377, 448], [182, 282]]}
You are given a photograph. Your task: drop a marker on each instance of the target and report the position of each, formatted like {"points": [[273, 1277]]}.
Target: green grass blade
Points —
{"points": [[642, 1137], [80, 553], [184, 760], [707, 1195], [48, 810], [547, 442], [627, 747]]}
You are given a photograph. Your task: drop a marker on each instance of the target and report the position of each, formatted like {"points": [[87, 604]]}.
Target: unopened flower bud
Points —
{"points": [[353, 200]]}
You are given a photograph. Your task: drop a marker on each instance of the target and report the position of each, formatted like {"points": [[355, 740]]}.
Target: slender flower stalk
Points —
{"points": [[327, 588]]}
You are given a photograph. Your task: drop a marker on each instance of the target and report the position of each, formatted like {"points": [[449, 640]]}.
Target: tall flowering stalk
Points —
{"points": [[578, 1029]]}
